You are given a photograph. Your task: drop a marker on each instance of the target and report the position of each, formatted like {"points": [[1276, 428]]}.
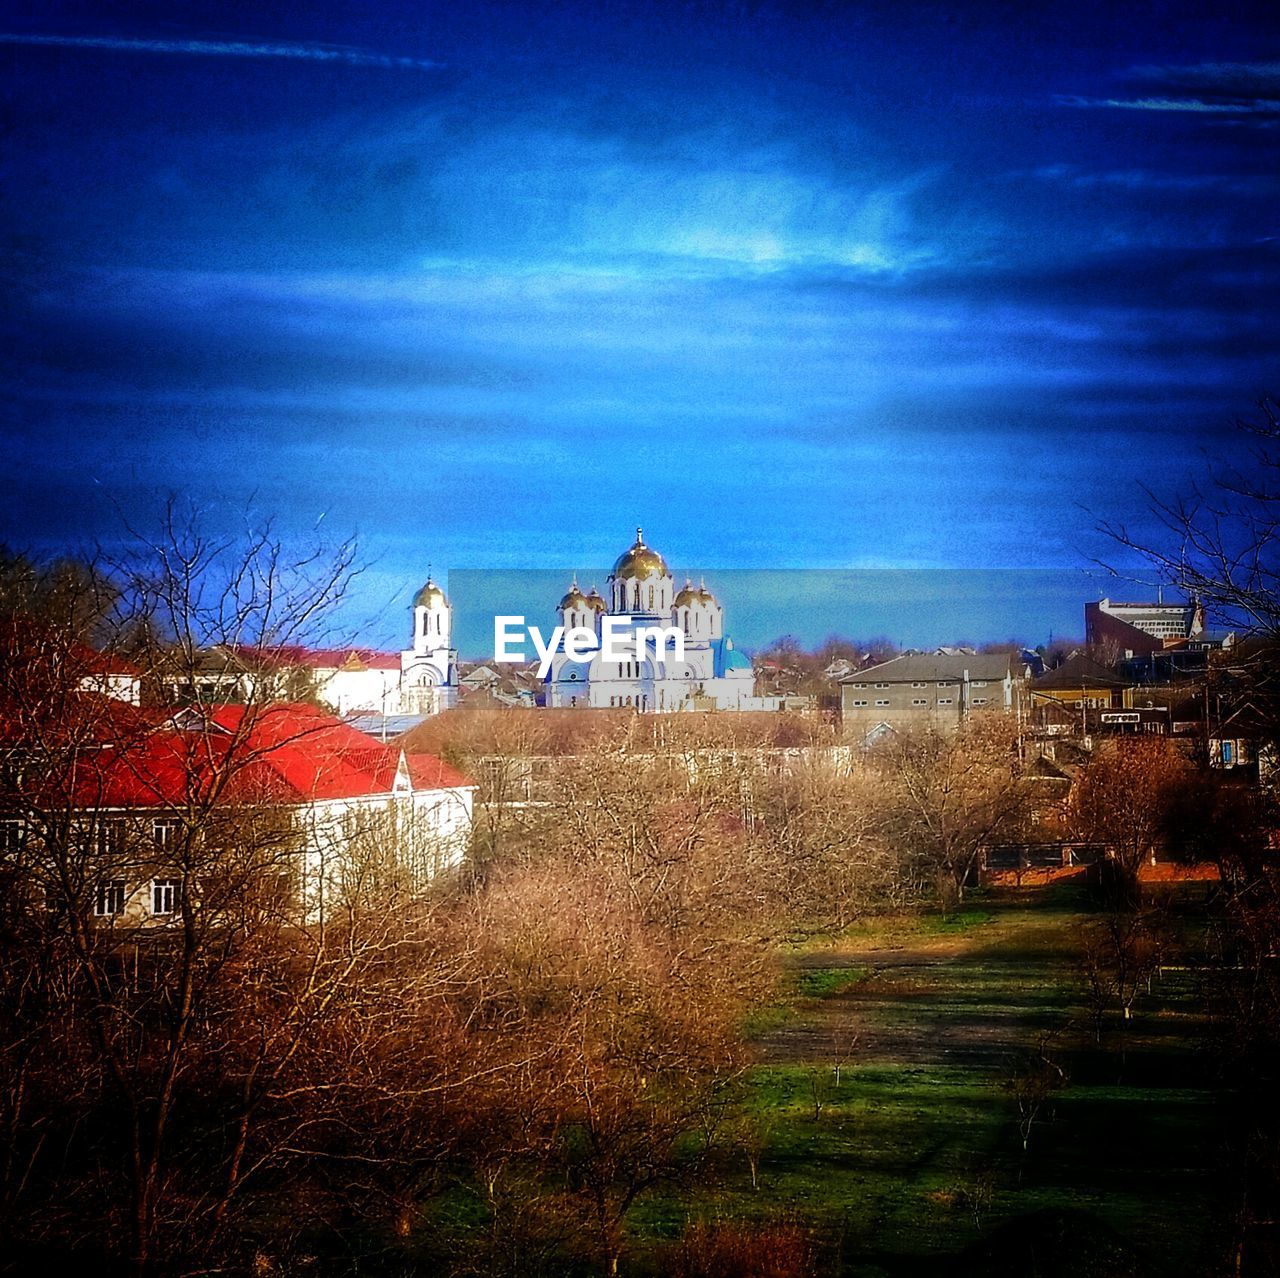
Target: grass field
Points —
{"points": [[928, 1019]]}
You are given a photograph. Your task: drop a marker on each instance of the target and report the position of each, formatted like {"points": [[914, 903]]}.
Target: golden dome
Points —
{"points": [[575, 598], [594, 600], [704, 595], [640, 562], [429, 594], [687, 596]]}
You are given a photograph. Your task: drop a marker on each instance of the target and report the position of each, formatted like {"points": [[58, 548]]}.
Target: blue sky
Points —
{"points": [[823, 285]]}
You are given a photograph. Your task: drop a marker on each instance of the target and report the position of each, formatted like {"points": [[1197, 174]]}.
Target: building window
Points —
{"points": [[165, 833], [857, 685], [164, 896], [979, 701], [10, 837], [882, 703], [946, 683], [944, 701], [859, 703], [979, 683], [882, 685], [108, 838], [919, 701], [108, 900], [920, 684]]}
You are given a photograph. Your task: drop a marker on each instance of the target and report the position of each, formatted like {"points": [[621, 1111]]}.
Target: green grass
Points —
{"points": [[824, 982], [952, 924], [922, 1111]]}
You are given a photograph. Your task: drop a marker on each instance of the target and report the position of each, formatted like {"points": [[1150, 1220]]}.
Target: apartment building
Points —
{"points": [[923, 690]]}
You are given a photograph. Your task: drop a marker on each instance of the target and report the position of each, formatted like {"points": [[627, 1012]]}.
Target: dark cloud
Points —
{"points": [[807, 289]]}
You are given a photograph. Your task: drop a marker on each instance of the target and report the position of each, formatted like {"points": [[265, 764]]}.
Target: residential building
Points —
{"points": [[135, 793], [67, 662], [938, 690]]}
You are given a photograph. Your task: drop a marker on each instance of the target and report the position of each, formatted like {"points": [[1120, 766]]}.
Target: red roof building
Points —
{"points": [[141, 783]]}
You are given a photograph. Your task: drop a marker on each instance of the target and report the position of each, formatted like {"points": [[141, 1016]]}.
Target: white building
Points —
{"points": [[423, 679], [713, 674], [302, 796], [429, 667]]}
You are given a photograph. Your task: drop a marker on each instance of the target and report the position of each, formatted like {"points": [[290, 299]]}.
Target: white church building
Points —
{"points": [[421, 680], [429, 667], [713, 674]]}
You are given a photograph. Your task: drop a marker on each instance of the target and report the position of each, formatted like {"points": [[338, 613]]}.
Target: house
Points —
{"points": [[66, 662], [347, 680], [1082, 682], [153, 804], [937, 690]]}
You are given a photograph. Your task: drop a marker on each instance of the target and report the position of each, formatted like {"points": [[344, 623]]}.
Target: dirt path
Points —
{"points": [[969, 1000]]}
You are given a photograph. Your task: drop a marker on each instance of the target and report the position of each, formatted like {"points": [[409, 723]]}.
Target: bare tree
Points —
{"points": [[1123, 798], [154, 1070], [1033, 1084], [949, 796], [1219, 543]]}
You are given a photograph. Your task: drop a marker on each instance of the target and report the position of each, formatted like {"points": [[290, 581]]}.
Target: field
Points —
{"points": [[908, 1159]]}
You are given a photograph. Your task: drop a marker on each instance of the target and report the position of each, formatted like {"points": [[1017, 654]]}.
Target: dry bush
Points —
{"points": [[733, 1249]]}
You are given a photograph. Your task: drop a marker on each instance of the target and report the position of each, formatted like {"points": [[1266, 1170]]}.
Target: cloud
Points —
{"points": [[1235, 91], [1196, 105], [1246, 184], [226, 49], [1244, 79]]}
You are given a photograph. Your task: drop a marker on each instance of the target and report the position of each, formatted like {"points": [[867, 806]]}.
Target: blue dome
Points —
{"points": [[727, 657]]}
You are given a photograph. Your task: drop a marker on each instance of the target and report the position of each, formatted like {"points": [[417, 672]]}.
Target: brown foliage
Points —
{"points": [[1124, 795], [733, 1249], [949, 796]]}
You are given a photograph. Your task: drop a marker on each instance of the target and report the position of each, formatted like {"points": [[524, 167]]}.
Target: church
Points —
{"points": [[429, 667], [642, 595]]}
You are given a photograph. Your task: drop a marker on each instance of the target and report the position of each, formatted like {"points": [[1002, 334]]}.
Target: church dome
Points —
{"points": [[640, 561], [594, 600], [575, 598], [705, 596], [687, 596], [429, 594]]}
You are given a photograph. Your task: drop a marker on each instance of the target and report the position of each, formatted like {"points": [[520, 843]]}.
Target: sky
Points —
{"points": [[852, 286]]}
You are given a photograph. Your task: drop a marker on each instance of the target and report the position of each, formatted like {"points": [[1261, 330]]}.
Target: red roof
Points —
{"points": [[24, 641], [237, 754]]}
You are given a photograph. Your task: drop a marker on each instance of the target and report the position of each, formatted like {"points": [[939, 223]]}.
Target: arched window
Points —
{"points": [[650, 598]]}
